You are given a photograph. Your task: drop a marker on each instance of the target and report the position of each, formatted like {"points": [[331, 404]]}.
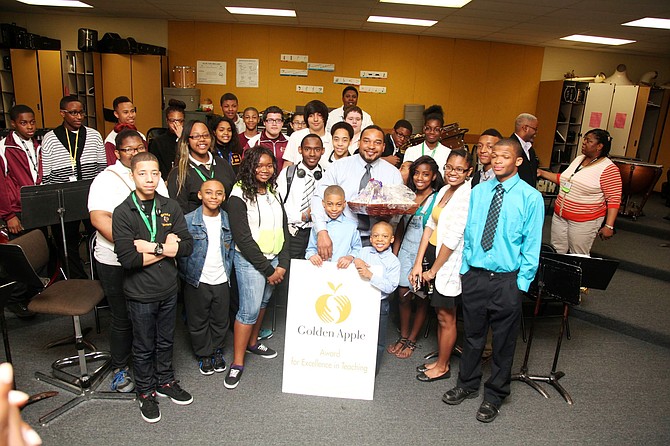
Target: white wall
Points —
{"points": [[64, 27], [558, 61]]}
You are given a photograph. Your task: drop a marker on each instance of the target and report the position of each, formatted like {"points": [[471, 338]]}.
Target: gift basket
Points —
{"points": [[380, 200]]}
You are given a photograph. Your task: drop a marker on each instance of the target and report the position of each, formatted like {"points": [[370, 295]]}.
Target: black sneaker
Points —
{"points": [[149, 407], [219, 361], [175, 393], [233, 377], [205, 364], [262, 351]]}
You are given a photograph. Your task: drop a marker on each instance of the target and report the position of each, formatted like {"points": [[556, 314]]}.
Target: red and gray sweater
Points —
{"points": [[16, 172]]}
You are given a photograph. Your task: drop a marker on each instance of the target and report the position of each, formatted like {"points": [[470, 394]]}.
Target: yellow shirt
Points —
{"points": [[435, 215]]}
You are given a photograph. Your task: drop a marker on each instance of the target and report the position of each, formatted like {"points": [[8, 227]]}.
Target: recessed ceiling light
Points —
{"points": [[596, 39], [650, 22], [63, 3], [441, 3], [261, 11], [401, 21]]}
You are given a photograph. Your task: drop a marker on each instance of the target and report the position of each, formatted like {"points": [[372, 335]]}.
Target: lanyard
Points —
{"points": [[202, 177], [33, 161], [432, 154], [73, 158], [150, 227]]}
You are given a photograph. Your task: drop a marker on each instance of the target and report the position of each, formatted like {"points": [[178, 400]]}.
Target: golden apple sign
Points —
{"points": [[333, 308]]}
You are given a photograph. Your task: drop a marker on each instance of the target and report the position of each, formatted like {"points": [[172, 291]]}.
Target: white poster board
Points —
{"points": [[332, 320], [211, 72], [247, 73]]}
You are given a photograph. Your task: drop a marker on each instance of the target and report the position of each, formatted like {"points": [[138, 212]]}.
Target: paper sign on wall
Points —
{"points": [[620, 120], [309, 89], [374, 74], [595, 119], [332, 319], [321, 66], [247, 73], [293, 58], [372, 89], [346, 80], [292, 72], [211, 72]]}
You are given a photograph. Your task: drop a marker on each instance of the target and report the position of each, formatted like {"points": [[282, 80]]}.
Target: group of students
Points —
{"points": [[235, 217]]}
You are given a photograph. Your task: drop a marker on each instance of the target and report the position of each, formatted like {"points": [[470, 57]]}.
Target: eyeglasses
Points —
{"points": [[400, 135], [130, 149], [298, 123], [274, 121], [459, 170], [81, 113], [427, 129], [173, 121], [203, 136], [534, 128]]}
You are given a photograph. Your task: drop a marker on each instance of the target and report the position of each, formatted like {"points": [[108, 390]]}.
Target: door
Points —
{"points": [[26, 82], [621, 117], [597, 107], [115, 83], [51, 86], [147, 91]]}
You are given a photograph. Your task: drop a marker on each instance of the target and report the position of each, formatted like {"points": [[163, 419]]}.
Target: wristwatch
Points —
{"points": [[158, 250]]}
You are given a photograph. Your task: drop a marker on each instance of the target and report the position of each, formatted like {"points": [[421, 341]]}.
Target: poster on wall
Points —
{"points": [[247, 73], [321, 66], [332, 320], [292, 72], [211, 72], [318, 89]]}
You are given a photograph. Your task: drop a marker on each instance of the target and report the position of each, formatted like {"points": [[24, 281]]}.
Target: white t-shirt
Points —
{"points": [[213, 272], [291, 153], [108, 190], [439, 154], [337, 115]]}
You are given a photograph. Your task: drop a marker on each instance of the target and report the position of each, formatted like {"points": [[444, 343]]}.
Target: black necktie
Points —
{"points": [[492, 218], [364, 220]]}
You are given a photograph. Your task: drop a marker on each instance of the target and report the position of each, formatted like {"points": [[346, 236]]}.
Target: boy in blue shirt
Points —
{"points": [[380, 253], [343, 231], [501, 254], [205, 275]]}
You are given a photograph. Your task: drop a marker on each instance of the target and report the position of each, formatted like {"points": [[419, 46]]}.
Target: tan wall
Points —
{"points": [[64, 27], [479, 84], [558, 61]]}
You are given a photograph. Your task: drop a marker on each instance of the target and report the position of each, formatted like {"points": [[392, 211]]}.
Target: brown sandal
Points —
{"points": [[398, 345]]}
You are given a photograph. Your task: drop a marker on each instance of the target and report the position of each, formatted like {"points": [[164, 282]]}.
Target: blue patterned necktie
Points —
{"points": [[492, 218]]}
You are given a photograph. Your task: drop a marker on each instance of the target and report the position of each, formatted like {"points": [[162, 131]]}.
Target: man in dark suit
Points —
{"points": [[525, 129], [402, 130]]}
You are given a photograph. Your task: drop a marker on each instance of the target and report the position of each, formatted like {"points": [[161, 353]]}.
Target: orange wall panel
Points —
{"points": [[479, 84]]}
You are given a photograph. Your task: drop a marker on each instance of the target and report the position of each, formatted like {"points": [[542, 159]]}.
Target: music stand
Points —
{"points": [[560, 276], [60, 203]]}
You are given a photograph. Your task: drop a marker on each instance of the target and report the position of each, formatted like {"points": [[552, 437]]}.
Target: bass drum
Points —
{"points": [[638, 180]]}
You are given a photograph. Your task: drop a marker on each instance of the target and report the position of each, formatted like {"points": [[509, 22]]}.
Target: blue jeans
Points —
{"points": [[121, 336], [153, 339], [254, 289]]}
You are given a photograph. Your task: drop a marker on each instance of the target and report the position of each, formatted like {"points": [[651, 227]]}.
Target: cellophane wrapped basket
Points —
{"points": [[379, 200]]}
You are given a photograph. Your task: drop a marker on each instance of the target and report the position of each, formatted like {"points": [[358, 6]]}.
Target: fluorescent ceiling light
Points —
{"points": [[401, 21], [596, 39], [63, 3], [650, 22], [261, 11], [441, 3]]}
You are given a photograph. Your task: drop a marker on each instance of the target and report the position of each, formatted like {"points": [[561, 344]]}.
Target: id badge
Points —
{"points": [[565, 187], [72, 178]]}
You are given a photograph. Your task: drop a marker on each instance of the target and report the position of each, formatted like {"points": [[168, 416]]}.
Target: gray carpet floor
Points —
{"points": [[620, 386]]}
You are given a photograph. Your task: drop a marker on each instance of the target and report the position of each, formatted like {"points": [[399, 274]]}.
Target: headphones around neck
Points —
{"points": [[300, 172]]}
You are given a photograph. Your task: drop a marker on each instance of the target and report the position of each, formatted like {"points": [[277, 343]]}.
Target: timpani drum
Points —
{"points": [[183, 77], [638, 180]]}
